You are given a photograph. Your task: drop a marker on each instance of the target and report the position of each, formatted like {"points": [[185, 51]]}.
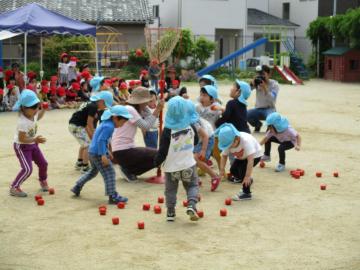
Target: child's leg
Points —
{"points": [[85, 156], [41, 162], [190, 182], [108, 174], [268, 145], [24, 154], [171, 188], [284, 146], [92, 173], [246, 189], [216, 152]]}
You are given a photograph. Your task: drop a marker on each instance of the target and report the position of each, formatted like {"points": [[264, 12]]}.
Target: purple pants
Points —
{"points": [[27, 153]]}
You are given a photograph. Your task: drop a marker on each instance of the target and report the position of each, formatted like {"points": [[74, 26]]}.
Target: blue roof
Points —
{"points": [[37, 20]]}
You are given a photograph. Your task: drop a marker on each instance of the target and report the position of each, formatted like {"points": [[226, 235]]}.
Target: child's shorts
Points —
{"points": [[209, 149], [80, 135]]}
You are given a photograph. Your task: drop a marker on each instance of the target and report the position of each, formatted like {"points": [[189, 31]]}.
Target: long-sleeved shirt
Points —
{"points": [[236, 114], [267, 100], [101, 138]]}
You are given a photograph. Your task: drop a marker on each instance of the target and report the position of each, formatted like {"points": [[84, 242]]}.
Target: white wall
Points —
{"points": [[301, 13], [262, 5]]}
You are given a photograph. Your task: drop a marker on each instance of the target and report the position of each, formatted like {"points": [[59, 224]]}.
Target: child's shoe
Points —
{"points": [[258, 128], [266, 158], [76, 190], [116, 198], [17, 192], [192, 213], [78, 165], [170, 216], [85, 168], [215, 183], [44, 186], [242, 196], [280, 168]]}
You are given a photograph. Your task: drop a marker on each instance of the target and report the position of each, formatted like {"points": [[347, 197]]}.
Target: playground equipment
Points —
{"points": [[160, 42], [296, 61]]}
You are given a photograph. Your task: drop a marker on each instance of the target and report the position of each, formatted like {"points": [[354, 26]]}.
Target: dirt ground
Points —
{"points": [[289, 224]]}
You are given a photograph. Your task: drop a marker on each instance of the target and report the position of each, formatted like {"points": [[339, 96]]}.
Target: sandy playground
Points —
{"points": [[289, 224]]}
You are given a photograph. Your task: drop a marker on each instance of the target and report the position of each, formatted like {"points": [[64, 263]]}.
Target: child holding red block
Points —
{"points": [[280, 132], [176, 149]]}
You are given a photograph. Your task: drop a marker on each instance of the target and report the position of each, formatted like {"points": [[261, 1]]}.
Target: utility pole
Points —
{"points": [[334, 14]]}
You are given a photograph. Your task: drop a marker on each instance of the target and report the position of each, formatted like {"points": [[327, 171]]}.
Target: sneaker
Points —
{"points": [[257, 129], [241, 197], [76, 190], [44, 186], [131, 178], [17, 192], [235, 180], [192, 213], [280, 168], [215, 183], [266, 158], [78, 165], [170, 216], [116, 198], [85, 169]]}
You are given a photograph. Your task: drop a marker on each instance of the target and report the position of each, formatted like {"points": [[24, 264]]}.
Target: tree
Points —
{"points": [[203, 50], [185, 45]]}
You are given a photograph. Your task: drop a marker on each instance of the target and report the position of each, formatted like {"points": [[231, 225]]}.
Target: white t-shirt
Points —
{"points": [[180, 154], [123, 137], [64, 68], [248, 145], [28, 126], [208, 114]]}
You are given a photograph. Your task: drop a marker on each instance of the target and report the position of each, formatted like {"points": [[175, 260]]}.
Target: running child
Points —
{"points": [[26, 143], [151, 136], [280, 132]]}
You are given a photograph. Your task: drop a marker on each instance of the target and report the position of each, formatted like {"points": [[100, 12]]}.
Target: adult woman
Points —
{"points": [[266, 93], [134, 160]]}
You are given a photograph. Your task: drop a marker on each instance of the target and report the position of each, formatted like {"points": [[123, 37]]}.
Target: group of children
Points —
{"points": [[193, 133]]}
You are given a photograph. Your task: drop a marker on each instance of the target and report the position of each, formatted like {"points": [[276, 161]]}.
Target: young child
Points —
{"points": [[154, 73], [83, 94], [145, 78], [280, 132], [26, 143], [72, 72], [247, 152], [176, 149], [3, 107], [124, 93], [99, 154], [175, 90], [11, 97], [151, 136], [63, 69], [132, 86]]}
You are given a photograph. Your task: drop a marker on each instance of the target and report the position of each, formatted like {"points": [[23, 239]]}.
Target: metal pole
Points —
{"points": [[334, 14], [25, 57], [41, 58], [318, 58], [97, 57]]}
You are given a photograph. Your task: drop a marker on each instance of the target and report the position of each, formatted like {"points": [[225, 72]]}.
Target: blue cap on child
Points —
{"points": [[177, 115], [211, 90], [104, 95], [210, 78], [194, 116], [120, 110], [245, 90], [226, 134], [27, 98], [95, 83], [279, 122]]}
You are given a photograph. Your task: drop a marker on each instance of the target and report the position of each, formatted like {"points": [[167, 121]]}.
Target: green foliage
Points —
{"points": [[138, 60], [203, 50], [185, 45]]}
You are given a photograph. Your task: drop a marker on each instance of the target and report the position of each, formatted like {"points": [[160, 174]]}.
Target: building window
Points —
{"points": [[156, 11], [354, 64], [329, 64], [286, 11], [221, 49]]}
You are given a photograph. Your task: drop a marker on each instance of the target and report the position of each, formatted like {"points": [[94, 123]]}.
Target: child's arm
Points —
{"points": [[41, 114], [222, 165], [90, 126], [103, 143], [163, 148], [225, 116], [298, 143], [24, 139], [264, 140], [249, 169], [205, 141]]}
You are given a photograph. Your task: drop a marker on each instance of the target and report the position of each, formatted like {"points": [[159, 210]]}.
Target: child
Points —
{"points": [[247, 152], [99, 153], [63, 69], [145, 78], [151, 135], [124, 93], [72, 72], [11, 97], [3, 107], [44, 93], [154, 73], [96, 83], [132, 86], [279, 132], [82, 125], [26, 143], [83, 93], [208, 80], [175, 90], [176, 148]]}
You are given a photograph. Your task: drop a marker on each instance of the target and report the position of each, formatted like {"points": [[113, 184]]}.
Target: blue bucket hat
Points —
{"points": [[210, 78], [226, 134], [211, 90], [120, 110], [95, 83], [192, 112], [177, 115], [106, 115], [27, 99], [245, 91], [104, 95], [279, 122]]}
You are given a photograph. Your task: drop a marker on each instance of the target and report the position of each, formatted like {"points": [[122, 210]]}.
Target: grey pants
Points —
{"points": [[190, 182]]}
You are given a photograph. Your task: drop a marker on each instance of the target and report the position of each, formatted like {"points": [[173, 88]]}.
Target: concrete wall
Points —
{"points": [[263, 5]]}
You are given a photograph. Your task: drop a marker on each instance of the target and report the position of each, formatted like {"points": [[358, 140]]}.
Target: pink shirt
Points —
{"points": [[289, 135], [124, 137]]}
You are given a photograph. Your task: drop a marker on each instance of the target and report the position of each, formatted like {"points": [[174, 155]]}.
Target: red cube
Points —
{"points": [[323, 186], [160, 199], [302, 172], [336, 174], [200, 213], [115, 220], [51, 191], [228, 201], [37, 197], [157, 209], [296, 175], [146, 206], [121, 205], [102, 211], [318, 174], [40, 202], [185, 203], [223, 212], [141, 225]]}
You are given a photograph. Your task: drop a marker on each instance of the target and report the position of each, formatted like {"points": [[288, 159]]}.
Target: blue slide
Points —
{"points": [[231, 56]]}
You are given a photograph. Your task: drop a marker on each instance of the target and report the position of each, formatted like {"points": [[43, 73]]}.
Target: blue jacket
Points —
{"points": [[100, 140]]}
